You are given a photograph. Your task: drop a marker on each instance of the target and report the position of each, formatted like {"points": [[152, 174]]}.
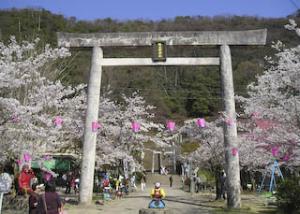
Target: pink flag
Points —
{"points": [[275, 150], [95, 126], [135, 126], [171, 125], [58, 121], [27, 157], [234, 151], [201, 122]]}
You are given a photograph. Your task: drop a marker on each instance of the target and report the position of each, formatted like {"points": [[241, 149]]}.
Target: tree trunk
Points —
{"points": [[90, 137], [230, 131]]}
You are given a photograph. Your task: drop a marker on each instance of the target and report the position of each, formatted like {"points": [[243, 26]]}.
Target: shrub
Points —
{"points": [[287, 195]]}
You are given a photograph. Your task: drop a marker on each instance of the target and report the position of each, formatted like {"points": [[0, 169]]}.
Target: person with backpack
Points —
{"points": [[157, 194]]}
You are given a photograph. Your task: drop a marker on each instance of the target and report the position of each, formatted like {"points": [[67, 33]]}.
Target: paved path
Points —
{"points": [[177, 201]]}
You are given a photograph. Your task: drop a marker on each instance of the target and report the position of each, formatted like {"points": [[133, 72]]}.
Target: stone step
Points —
{"points": [[155, 211]]}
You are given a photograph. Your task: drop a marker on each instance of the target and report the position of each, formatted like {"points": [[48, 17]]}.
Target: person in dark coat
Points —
{"points": [[171, 180], [33, 200], [50, 200]]}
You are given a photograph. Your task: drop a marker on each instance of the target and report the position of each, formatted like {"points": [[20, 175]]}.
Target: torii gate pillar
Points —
{"points": [[230, 130], [90, 137]]}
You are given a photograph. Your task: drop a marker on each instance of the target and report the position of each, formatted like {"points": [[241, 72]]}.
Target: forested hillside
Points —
{"points": [[178, 92]]}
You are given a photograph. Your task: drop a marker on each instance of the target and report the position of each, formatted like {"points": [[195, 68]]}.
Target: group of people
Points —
{"points": [[40, 202], [71, 181], [109, 184], [163, 170]]}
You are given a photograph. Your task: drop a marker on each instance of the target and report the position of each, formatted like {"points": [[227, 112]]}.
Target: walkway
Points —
{"points": [[177, 201]]}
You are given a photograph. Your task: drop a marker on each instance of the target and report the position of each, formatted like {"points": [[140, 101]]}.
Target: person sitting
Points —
{"points": [[157, 194]]}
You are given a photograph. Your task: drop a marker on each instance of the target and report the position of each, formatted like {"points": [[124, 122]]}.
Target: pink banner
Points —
{"points": [[58, 121], [27, 157], [234, 151], [135, 126], [95, 126], [201, 122], [171, 125], [275, 151]]}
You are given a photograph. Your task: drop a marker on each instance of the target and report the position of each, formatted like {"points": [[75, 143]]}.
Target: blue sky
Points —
{"points": [[158, 9]]}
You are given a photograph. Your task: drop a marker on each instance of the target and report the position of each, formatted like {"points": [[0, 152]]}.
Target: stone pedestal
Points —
{"points": [[155, 211]]}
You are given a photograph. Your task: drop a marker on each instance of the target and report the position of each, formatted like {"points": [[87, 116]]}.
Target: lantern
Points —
{"points": [[135, 126], [234, 151], [159, 51], [58, 121], [201, 122], [171, 125], [95, 126], [275, 150]]}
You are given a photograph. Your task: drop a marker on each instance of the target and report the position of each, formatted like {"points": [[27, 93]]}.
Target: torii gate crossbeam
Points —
{"points": [[223, 39]]}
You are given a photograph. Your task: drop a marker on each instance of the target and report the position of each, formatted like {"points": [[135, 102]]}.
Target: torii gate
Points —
{"points": [[223, 39]]}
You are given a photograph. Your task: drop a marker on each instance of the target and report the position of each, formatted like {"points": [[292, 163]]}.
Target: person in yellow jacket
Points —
{"points": [[157, 191], [157, 194]]}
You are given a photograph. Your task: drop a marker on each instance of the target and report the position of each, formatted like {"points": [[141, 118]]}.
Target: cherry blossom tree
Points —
{"points": [[31, 102], [273, 105], [118, 140]]}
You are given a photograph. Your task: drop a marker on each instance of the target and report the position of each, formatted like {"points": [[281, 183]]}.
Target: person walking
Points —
{"points": [[33, 200], [143, 182], [223, 184], [132, 182], [68, 182], [49, 202], [198, 184], [171, 180]]}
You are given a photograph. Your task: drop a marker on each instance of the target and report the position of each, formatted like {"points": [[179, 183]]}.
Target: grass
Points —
{"points": [[251, 204]]}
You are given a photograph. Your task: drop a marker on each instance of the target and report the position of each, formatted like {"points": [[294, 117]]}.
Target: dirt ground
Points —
{"points": [[177, 202]]}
